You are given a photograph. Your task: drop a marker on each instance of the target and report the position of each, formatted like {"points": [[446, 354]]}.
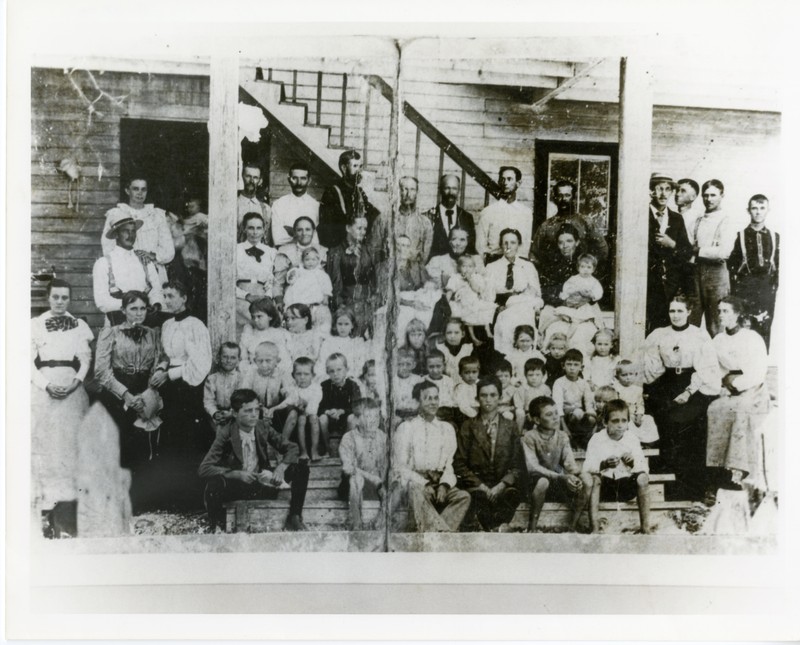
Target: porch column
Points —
{"points": [[635, 144], [223, 175]]}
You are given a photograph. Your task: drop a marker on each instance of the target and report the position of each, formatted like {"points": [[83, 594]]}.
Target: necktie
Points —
{"points": [[254, 252], [510, 277], [449, 213], [760, 248]]}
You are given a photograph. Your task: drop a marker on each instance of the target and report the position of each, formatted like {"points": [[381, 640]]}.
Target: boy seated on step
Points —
{"points": [[503, 371], [363, 454], [552, 471], [435, 362], [222, 383], [575, 401], [301, 403], [269, 382], [405, 406], [465, 392], [616, 469], [339, 393]]}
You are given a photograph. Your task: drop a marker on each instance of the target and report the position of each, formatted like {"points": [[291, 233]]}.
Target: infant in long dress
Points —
{"points": [[581, 292], [470, 294]]}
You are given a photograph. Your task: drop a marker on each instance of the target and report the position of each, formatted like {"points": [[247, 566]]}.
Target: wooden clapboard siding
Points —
{"points": [[61, 127]]}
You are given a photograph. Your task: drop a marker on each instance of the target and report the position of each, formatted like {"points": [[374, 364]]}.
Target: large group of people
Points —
{"points": [[505, 377]]}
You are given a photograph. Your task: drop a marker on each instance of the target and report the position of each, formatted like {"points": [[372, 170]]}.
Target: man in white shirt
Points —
{"points": [[249, 202], [505, 213], [714, 236], [686, 200], [422, 466], [298, 203], [124, 269], [154, 236]]}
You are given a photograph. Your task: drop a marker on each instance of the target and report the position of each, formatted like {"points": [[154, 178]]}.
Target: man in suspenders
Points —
{"points": [[342, 201], [754, 265], [714, 234]]}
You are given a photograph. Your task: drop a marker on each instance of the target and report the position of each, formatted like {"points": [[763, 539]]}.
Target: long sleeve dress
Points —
{"points": [[60, 352], [734, 421], [353, 276]]}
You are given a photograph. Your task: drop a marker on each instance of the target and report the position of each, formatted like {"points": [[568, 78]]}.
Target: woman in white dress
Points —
{"points": [[61, 357], [186, 434], [736, 418]]}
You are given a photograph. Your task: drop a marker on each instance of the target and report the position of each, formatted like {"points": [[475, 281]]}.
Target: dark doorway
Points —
{"points": [[172, 155], [592, 169]]}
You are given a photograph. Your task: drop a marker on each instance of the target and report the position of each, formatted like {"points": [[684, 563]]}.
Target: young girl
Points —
{"points": [[454, 347], [343, 340], [601, 366], [471, 297], [554, 353], [310, 285], [372, 386], [631, 392], [415, 341], [524, 350], [266, 327], [303, 339]]}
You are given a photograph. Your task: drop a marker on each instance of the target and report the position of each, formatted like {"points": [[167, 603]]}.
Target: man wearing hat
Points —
{"points": [[124, 269], [668, 251], [154, 238]]}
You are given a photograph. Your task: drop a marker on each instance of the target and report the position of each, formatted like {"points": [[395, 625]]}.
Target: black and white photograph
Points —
{"points": [[408, 292]]}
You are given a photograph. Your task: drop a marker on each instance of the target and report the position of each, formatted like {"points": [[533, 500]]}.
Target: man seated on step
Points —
{"points": [[554, 474], [489, 462], [422, 467], [616, 469], [364, 462], [238, 465]]}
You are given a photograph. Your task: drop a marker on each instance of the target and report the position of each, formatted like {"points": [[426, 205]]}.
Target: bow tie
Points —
{"points": [[134, 333], [60, 323], [354, 249], [254, 252]]}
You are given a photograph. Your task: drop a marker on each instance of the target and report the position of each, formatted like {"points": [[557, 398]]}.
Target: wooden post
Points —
{"points": [[223, 165], [635, 146], [365, 148], [344, 110]]}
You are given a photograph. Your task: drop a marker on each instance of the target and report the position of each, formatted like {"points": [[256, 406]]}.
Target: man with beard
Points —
{"points": [[448, 215], [409, 223], [545, 242], [668, 250], [298, 203], [343, 201], [248, 201]]}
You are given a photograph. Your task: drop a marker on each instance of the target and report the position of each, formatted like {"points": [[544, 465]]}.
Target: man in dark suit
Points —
{"points": [[237, 465], [342, 201], [488, 461], [448, 214], [668, 251]]}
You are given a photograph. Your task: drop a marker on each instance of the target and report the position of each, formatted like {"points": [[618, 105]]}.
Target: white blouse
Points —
{"points": [[745, 350], [187, 344], [59, 346], [691, 347]]}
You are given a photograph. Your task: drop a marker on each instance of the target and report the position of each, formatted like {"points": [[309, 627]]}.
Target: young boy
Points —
{"points": [[465, 393], [534, 385], [644, 426], [221, 384], [435, 365], [302, 403], [405, 407], [552, 470], [616, 468], [271, 384], [338, 395], [575, 401], [602, 395], [503, 371], [753, 266], [363, 454], [554, 354]]}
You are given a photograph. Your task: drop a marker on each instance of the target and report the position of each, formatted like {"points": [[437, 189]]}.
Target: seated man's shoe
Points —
{"points": [[295, 523]]}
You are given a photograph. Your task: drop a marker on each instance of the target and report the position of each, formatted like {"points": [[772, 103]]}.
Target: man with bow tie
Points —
{"points": [[238, 464], [124, 269], [447, 215], [255, 263], [668, 251]]}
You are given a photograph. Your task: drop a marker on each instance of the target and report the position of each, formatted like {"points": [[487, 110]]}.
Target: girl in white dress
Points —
{"points": [[471, 296], [600, 367], [524, 349], [455, 347], [265, 327], [304, 340], [343, 339]]}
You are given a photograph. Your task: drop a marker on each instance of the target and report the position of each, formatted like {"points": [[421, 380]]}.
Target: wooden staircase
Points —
{"points": [[323, 510]]}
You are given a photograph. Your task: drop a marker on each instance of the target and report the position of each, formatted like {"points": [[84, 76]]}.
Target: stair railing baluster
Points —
{"points": [[319, 98], [294, 86], [344, 109], [416, 153]]}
